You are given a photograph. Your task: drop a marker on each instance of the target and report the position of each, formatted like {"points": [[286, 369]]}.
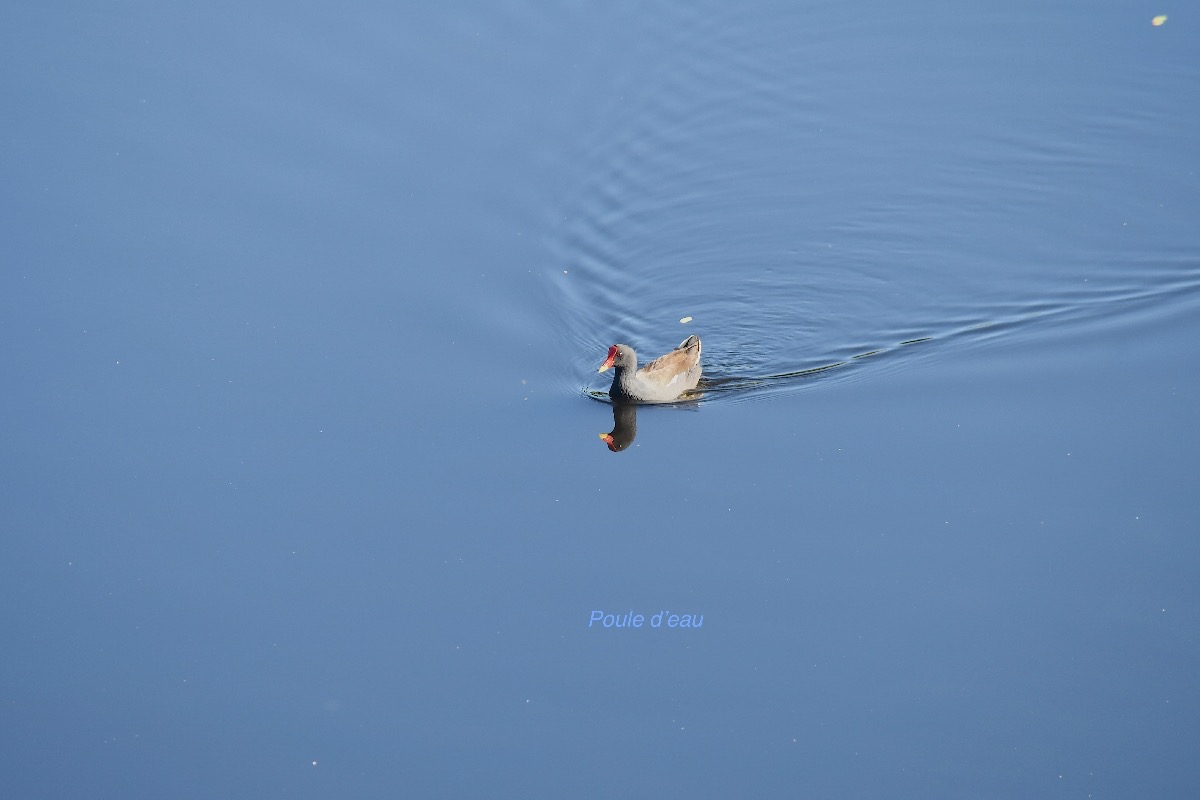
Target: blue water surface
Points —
{"points": [[303, 494]]}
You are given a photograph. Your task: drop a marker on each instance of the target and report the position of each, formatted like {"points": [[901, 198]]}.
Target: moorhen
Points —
{"points": [[662, 380]]}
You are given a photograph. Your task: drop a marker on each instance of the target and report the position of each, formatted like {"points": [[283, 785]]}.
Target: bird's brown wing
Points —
{"points": [[675, 364]]}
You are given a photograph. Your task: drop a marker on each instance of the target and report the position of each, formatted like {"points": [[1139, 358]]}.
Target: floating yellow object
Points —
{"points": [[1159, 20], [685, 320]]}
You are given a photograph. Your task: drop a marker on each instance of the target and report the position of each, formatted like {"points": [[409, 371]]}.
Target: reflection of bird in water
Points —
{"points": [[624, 427], [661, 381]]}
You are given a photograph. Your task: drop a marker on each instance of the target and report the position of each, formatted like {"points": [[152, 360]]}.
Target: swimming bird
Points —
{"points": [[662, 380]]}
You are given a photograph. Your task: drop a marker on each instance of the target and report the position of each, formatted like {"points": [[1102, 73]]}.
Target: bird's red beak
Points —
{"points": [[608, 362]]}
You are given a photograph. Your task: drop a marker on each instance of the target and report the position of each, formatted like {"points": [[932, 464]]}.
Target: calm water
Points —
{"points": [[303, 494]]}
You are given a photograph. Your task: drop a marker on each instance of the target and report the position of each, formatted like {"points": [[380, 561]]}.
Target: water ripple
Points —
{"points": [[745, 181]]}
